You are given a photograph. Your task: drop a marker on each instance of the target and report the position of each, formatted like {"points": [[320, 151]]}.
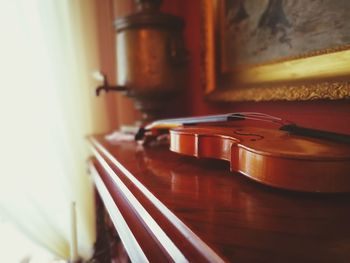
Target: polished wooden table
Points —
{"points": [[167, 207]]}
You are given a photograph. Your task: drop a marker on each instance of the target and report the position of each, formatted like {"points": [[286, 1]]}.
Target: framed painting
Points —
{"points": [[258, 50]]}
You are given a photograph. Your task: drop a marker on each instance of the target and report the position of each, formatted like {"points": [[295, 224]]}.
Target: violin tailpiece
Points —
{"points": [[314, 133]]}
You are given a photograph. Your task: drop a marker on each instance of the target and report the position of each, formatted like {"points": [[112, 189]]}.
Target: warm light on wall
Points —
{"points": [[334, 64]]}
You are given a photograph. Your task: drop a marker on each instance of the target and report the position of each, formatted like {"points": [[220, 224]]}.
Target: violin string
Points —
{"points": [[262, 117], [256, 116]]}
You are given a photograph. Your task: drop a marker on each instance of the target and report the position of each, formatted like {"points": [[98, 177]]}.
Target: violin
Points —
{"points": [[291, 157]]}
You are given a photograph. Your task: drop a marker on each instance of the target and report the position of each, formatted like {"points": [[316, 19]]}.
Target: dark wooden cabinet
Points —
{"points": [[167, 207]]}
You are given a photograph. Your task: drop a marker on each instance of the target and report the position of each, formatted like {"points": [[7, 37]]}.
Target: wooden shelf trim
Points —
{"points": [[130, 243], [173, 252], [202, 251]]}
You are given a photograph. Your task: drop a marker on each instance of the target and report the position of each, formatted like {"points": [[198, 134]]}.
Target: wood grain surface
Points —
{"points": [[211, 214]]}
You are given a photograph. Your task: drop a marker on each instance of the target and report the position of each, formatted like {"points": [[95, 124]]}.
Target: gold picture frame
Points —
{"points": [[323, 74]]}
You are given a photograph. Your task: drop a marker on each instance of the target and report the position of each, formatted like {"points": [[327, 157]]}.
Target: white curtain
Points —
{"points": [[47, 106]]}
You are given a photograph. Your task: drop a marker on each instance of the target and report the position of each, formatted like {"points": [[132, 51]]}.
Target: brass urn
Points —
{"points": [[151, 56]]}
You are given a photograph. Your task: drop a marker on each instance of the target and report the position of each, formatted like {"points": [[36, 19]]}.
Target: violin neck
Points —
{"points": [[195, 120]]}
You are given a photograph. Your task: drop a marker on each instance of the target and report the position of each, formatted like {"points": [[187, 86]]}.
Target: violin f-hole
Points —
{"points": [[242, 133]]}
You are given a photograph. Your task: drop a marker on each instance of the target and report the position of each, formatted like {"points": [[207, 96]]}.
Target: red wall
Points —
{"points": [[330, 115]]}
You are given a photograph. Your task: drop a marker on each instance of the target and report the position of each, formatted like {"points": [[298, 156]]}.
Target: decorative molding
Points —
{"points": [[289, 92], [207, 55]]}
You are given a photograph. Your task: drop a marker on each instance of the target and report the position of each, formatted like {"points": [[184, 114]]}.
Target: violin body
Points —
{"points": [[270, 156]]}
